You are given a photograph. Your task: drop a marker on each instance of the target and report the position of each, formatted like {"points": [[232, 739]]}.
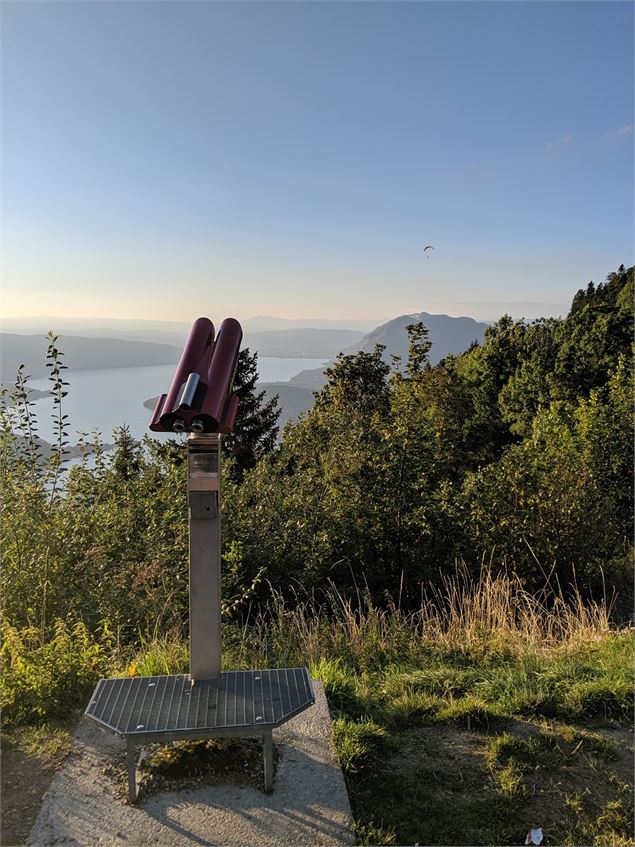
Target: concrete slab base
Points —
{"points": [[308, 806]]}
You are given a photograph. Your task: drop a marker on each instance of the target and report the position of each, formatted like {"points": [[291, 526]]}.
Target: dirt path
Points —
{"points": [[28, 763]]}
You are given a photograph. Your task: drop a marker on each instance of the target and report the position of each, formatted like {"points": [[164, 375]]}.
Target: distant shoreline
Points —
{"points": [[115, 367]]}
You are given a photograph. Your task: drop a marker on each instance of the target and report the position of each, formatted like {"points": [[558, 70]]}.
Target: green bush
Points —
{"points": [[52, 679]]}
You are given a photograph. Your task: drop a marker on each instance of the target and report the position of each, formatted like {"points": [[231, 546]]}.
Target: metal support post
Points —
{"points": [[267, 745], [131, 762], [205, 555]]}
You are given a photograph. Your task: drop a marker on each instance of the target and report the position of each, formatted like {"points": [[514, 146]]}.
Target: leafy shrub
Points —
{"points": [[51, 679]]}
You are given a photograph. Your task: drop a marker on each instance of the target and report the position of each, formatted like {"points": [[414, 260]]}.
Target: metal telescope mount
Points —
{"points": [[207, 702]]}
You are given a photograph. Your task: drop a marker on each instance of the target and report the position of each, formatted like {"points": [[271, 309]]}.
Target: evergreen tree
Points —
{"points": [[126, 460], [418, 349], [256, 427], [591, 339]]}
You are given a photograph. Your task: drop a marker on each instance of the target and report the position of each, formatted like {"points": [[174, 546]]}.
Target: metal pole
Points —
{"points": [[267, 743], [131, 764], [205, 555]]}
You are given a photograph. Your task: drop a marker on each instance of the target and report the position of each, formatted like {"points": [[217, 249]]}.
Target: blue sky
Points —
{"points": [[167, 159]]}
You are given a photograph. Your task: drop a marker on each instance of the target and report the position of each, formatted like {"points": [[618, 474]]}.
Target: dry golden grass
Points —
{"points": [[464, 613]]}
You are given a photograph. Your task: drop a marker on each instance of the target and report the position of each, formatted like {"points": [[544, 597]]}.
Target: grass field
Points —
{"points": [[486, 712], [455, 751]]}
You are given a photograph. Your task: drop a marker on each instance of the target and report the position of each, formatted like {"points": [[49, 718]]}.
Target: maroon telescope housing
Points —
{"points": [[200, 398]]}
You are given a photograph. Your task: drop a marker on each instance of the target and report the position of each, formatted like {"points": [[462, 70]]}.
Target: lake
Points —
{"points": [[105, 399]]}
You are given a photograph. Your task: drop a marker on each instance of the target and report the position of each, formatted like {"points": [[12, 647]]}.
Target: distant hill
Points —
{"points": [[80, 354], [311, 379], [307, 343], [294, 400], [447, 334], [168, 332], [158, 332], [301, 343], [267, 323]]}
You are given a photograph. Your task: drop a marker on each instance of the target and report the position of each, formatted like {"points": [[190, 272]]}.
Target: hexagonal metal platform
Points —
{"points": [[170, 705]]}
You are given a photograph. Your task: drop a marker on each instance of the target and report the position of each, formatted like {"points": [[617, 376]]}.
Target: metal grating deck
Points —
{"points": [[170, 704]]}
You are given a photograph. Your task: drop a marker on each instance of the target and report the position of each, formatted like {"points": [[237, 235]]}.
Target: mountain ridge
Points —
{"points": [[93, 353], [447, 334]]}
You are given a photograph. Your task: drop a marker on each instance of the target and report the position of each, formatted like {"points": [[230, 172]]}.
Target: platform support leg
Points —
{"points": [[131, 761], [267, 745]]}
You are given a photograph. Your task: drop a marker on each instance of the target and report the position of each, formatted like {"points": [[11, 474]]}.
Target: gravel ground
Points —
{"points": [[309, 804]]}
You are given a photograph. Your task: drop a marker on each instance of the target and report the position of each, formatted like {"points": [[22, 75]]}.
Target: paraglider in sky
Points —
{"points": [[428, 250]]}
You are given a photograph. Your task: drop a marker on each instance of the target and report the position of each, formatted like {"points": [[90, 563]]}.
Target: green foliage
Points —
{"points": [[471, 712], [112, 544], [160, 657], [604, 424], [306, 510], [49, 742], [529, 388], [541, 505], [511, 452], [393, 476], [601, 698], [596, 332], [256, 428], [53, 679], [357, 743], [373, 833], [517, 452], [339, 684]]}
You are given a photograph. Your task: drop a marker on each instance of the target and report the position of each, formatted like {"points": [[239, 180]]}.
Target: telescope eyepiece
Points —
{"points": [[178, 425], [189, 391], [197, 425]]}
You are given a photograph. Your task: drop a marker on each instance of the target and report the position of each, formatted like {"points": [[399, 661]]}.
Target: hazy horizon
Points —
{"points": [[291, 323], [517, 310]]}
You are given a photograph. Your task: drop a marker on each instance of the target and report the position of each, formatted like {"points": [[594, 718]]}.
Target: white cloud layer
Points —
{"points": [[618, 133]]}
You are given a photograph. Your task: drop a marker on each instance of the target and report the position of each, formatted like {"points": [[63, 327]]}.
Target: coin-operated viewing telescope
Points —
{"points": [[200, 398], [207, 702]]}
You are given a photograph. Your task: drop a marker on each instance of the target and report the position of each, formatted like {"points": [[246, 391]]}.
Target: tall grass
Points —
{"points": [[484, 639], [492, 613]]}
